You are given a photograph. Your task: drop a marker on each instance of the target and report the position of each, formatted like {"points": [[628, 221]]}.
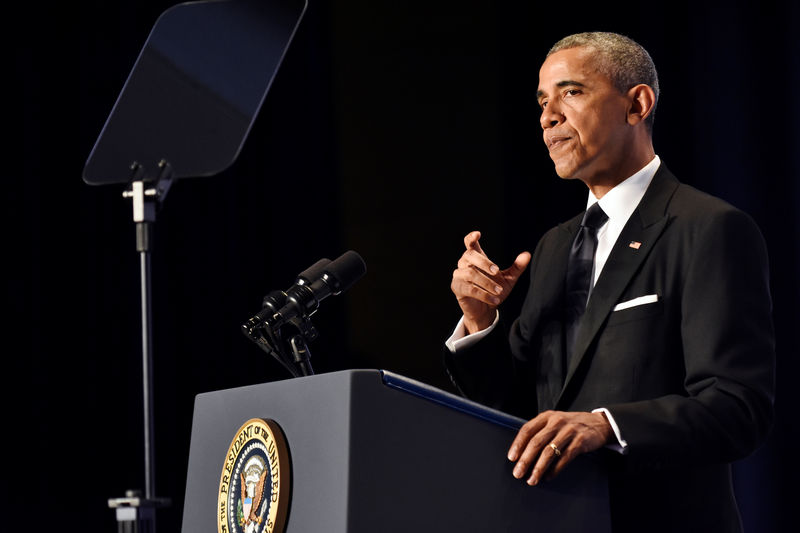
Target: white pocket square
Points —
{"points": [[641, 300]]}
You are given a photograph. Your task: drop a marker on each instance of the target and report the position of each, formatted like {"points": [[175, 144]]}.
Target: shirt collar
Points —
{"points": [[620, 202]]}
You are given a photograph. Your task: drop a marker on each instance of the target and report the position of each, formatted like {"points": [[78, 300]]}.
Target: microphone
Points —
{"points": [[317, 282], [297, 304], [303, 299], [313, 272], [275, 300]]}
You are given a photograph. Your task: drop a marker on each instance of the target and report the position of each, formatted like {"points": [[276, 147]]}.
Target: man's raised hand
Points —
{"points": [[479, 284]]}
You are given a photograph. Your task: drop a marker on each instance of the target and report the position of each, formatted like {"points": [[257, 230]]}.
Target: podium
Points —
{"points": [[373, 451]]}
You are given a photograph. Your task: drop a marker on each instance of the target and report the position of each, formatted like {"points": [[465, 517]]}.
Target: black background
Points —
{"points": [[393, 129]]}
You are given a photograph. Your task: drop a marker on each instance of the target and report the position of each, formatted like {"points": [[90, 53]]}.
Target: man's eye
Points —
{"points": [[573, 92], [543, 104]]}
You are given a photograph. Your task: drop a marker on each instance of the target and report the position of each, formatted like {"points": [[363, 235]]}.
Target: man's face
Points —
{"points": [[584, 118]]}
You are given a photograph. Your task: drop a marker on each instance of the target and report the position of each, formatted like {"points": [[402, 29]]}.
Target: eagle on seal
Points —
{"points": [[251, 503]]}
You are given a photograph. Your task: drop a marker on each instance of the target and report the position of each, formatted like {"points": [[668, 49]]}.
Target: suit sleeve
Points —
{"points": [[488, 373]]}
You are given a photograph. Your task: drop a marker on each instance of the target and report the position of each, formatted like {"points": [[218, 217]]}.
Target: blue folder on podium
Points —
{"points": [[374, 451]]}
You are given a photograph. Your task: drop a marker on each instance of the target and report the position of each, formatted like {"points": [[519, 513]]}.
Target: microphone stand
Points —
{"points": [[299, 344], [270, 340], [136, 513]]}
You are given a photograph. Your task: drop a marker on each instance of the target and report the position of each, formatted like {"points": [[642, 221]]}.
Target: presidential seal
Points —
{"points": [[254, 487]]}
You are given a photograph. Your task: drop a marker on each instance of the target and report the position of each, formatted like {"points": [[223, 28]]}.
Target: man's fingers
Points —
{"points": [[471, 241], [525, 434], [548, 443], [468, 284], [472, 284], [536, 454], [556, 467], [476, 259], [477, 272], [555, 455]]}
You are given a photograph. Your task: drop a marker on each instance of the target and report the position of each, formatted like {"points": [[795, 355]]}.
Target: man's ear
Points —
{"points": [[642, 100]]}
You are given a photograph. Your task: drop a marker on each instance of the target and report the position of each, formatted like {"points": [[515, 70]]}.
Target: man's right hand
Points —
{"points": [[479, 284]]}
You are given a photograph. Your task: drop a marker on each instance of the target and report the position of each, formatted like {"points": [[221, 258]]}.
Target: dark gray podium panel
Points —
{"points": [[370, 458]]}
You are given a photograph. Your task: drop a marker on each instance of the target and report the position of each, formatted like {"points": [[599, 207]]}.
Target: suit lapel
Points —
{"points": [[644, 227]]}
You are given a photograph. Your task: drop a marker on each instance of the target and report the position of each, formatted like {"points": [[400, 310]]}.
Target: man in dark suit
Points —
{"points": [[666, 367]]}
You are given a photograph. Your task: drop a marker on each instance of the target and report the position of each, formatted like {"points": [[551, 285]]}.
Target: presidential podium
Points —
{"points": [[373, 451]]}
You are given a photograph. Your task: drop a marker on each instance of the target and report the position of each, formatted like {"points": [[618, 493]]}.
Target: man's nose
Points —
{"points": [[551, 116]]}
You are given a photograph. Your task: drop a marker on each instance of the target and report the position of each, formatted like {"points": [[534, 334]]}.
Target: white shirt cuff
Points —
{"points": [[621, 445], [460, 339]]}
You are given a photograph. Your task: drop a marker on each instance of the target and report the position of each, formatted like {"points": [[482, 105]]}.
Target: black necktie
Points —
{"points": [[580, 271]]}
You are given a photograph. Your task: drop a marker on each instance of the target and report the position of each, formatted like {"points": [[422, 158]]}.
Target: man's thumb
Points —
{"points": [[520, 264]]}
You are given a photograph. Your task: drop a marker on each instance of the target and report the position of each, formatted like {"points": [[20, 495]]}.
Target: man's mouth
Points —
{"points": [[557, 141]]}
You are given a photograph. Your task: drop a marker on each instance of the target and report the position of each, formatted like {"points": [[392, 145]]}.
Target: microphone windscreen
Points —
{"points": [[346, 270], [313, 273]]}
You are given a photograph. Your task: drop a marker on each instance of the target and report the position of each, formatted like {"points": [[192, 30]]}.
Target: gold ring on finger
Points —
{"points": [[555, 449]]}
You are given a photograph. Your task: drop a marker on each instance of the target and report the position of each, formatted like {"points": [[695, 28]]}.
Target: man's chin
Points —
{"points": [[570, 169], [564, 168], [566, 173]]}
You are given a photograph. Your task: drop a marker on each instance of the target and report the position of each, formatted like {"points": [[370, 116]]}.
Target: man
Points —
{"points": [[646, 333]]}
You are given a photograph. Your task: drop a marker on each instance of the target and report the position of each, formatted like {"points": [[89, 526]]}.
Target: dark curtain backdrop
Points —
{"points": [[393, 129]]}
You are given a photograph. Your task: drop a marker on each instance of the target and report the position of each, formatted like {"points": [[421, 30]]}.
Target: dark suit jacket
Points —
{"points": [[689, 379]]}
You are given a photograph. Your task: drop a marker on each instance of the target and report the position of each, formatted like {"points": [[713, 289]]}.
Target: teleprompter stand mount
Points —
{"points": [[136, 514], [184, 112]]}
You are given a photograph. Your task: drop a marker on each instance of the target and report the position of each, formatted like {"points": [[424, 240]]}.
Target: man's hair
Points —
{"points": [[620, 58]]}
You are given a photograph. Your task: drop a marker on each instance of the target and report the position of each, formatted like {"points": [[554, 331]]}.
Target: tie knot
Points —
{"points": [[594, 217]]}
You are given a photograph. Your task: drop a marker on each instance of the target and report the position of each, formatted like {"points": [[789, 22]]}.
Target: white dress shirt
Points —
{"points": [[618, 203]]}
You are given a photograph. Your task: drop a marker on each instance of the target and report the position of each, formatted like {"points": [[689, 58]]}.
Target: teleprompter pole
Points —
{"points": [[136, 512]]}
